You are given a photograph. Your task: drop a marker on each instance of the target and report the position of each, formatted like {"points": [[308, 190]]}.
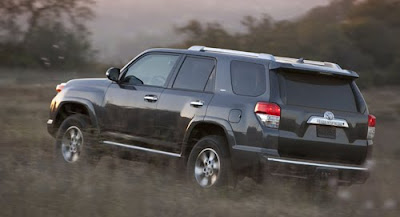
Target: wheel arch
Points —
{"points": [[71, 106], [207, 126]]}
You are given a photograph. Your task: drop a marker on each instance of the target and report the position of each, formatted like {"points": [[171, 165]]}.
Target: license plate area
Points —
{"points": [[326, 132]]}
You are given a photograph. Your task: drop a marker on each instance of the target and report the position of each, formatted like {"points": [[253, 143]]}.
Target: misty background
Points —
{"points": [[360, 35], [124, 28]]}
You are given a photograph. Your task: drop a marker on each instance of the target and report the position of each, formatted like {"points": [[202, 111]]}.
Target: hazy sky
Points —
{"points": [[125, 27]]}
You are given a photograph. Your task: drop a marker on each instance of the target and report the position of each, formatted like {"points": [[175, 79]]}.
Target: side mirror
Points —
{"points": [[113, 74]]}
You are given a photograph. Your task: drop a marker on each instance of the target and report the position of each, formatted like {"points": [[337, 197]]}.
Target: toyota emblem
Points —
{"points": [[329, 115]]}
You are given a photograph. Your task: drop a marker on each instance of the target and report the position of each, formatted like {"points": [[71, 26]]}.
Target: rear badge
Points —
{"points": [[329, 115], [328, 120]]}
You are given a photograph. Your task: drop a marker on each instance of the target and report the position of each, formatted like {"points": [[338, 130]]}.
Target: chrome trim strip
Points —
{"points": [[318, 164], [323, 121], [142, 148], [50, 121]]}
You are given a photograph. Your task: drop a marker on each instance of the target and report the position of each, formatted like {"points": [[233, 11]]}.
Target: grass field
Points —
{"points": [[32, 184]]}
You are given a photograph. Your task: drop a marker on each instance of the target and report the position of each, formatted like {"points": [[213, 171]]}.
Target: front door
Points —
{"points": [[130, 105]]}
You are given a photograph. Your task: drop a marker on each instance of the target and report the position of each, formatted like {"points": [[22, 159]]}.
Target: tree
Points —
{"points": [[359, 35], [25, 24]]}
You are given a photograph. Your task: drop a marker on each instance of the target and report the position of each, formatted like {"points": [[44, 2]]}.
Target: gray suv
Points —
{"points": [[223, 112]]}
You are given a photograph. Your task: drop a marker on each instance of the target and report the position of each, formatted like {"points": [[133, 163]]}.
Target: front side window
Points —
{"points": [[152, 69], [248, 79], [194, 73]]}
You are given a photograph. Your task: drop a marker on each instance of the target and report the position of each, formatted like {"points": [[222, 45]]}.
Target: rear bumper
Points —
{"points": [[345, 174]]}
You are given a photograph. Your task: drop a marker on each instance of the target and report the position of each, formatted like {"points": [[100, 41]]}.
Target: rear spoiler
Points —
{"points": [[310, 68]]}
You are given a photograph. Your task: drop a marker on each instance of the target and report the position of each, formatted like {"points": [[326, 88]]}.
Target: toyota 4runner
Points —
{"points": [[222, 111]]}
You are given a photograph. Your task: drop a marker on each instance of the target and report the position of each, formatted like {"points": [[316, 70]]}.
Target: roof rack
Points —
{"points": [[234, 52], [309, 62], [266, 56]]}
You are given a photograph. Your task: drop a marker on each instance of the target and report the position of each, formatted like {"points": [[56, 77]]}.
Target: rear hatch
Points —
{"points": [[322, 117]]}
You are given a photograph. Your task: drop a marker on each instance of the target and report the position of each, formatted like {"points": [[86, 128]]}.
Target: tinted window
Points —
{"points": [[152, 69], [194, 73], [248, 79], [318, 91]]}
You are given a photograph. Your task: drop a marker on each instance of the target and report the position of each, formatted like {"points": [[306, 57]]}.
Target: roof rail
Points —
{"points": [[234, 52], [266, 56], [310, 62]]}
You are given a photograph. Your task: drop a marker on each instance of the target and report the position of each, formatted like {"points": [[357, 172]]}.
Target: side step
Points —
{"points": [[142, 149]]}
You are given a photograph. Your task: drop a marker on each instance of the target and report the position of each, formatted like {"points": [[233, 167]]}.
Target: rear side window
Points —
{"points": [[248, 79], [318, 91], [194, 73]]}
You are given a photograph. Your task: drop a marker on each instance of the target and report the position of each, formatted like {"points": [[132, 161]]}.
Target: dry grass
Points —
{"points": [[32, 183]]}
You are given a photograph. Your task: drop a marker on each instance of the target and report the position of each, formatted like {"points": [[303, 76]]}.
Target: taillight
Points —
{"points": [[60, 87], [371, 127], [268, 113], [371, 121]]}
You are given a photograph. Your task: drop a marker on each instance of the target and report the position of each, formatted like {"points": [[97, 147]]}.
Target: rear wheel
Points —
{"points": [[209, 165], [73, 141]]}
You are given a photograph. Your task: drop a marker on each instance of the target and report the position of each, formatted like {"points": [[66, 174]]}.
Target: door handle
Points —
{"points": [[197, 103], [150, 98]]}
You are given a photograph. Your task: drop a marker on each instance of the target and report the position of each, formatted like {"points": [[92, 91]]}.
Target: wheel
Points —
{"points": [[209, 165], [73, 140]]}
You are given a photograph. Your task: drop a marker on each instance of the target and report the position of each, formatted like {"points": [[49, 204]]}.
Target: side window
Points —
{"points": [[194, 73], [248, 79], [152, 69]]}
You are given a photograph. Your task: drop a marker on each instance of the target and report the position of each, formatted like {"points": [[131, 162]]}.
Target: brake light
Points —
{"points": [[268, 113], [371, 127], [371, 121], [60, 87]]}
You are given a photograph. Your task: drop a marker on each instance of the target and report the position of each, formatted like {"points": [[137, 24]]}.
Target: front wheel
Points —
{"points": [[209, 165], [73, 140]]}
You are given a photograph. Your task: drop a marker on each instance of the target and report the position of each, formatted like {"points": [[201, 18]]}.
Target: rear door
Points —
{"points": [[186, 99], [321, 118]]}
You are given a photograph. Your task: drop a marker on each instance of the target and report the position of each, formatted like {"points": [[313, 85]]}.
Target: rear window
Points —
{"points": [[317, 91], [248, 79]]}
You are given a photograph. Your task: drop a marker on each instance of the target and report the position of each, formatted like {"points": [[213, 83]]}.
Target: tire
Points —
{"points": [[74, 141], [209, 164]]}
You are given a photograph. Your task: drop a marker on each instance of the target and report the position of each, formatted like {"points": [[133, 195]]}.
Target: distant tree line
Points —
{"points": [[363, 36], [47, 33]]}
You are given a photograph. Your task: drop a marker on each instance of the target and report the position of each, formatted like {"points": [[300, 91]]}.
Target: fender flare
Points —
{"points": [[86, 103], [224, 124]]}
